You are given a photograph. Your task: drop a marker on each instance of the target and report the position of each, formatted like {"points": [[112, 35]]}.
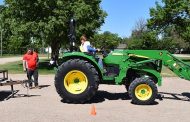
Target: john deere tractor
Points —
{"points": [[79, 75]]}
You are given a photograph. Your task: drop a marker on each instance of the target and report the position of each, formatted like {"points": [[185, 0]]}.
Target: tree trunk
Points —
{"points": [[55, 46]]}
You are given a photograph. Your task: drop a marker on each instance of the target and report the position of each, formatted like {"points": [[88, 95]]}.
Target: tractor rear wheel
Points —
{"points": [[143, 91], [76, 81]]}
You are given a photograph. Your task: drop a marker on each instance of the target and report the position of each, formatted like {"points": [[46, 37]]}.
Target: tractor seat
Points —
{"points": [[81, 48]]}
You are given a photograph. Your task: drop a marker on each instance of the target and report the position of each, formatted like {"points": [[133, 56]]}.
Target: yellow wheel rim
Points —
{"points": [[143, 92], [75, 82]]}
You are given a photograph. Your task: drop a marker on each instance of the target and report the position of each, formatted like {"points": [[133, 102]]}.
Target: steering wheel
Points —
{"points": [[104, 52]]}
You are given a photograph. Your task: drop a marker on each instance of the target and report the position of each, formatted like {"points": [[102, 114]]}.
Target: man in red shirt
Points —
{"points": [[30, 65]]}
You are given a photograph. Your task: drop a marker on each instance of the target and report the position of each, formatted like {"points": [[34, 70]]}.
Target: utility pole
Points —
{"points": [[1, 42]]}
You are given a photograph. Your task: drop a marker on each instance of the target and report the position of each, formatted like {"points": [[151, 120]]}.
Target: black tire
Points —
{"points": [[90, 73], [149, 84]]}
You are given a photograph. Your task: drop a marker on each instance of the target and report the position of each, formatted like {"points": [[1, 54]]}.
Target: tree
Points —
{"points": [[140, 27], [106, 40], [2, 29], [47, 20], [147, 40], [142, 37], [172, 14]]}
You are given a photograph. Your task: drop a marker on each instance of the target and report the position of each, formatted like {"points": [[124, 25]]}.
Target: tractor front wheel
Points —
{"points": [[143, 91], [76, 81]]}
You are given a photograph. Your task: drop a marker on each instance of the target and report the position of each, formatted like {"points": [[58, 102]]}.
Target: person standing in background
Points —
{"points": [[30, 66]]}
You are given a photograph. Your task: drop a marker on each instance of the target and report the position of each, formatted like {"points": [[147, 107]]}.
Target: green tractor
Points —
{"points": [[78, 77]]}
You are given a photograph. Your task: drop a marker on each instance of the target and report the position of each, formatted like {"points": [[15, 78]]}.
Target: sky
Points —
{"points": [[123, 14]]}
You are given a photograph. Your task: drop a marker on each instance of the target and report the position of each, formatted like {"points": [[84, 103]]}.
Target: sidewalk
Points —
{"points": [[182, 55], [13, 59], [10, 59]]}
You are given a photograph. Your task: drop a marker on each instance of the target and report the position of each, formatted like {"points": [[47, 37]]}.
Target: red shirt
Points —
{"points": [[31, 60]]}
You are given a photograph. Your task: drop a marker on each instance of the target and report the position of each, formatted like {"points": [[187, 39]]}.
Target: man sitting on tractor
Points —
{"points": [[86, 47]]}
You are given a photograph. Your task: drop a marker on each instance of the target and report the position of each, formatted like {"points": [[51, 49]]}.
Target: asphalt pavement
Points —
{"points": [[111, 102]]}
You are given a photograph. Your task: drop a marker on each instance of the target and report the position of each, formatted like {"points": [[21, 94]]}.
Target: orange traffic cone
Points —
{"points": [[93, 110]]}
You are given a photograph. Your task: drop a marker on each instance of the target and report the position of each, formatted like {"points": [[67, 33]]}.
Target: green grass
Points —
{"points": [[16, 55], [9, 55], [16, 67]]}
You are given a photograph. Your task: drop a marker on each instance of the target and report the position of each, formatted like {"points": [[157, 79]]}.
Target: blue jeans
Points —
{"points": [[33, 73], [100, 63]]}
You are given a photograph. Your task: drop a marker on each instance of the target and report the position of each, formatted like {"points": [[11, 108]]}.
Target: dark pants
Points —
{"points": [[33, 73]]}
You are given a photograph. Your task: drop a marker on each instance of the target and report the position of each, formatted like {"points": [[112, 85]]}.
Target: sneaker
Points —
{"points": [[26, 85], [30, 85]]}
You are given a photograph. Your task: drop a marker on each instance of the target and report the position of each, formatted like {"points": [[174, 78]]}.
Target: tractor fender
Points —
{"points": [[83, 56], [155, 74], [150, 72]]}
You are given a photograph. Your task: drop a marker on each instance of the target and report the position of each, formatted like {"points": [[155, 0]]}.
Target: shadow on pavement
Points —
{"points": [[43, 86], [101, 96], [154, 103], [5, 95], [185, 96]]}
